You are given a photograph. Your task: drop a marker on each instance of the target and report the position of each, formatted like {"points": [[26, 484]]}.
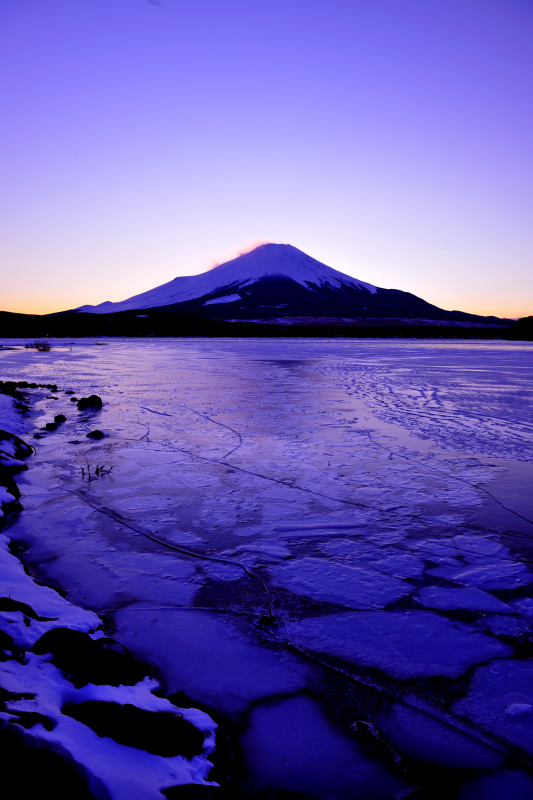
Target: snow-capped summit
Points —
{"points": [[266, 261], [276, 281]]}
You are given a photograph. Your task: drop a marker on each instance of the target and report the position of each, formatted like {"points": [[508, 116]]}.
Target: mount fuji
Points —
{"points": [[279, 282]]}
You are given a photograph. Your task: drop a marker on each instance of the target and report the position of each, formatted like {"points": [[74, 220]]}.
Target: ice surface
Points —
{"points": [[291, 746], [256, 483], [493, 574], [386, 559], [505, 626], [498, 691], [404, 644], [352, 586], [476, 599], [207, 656], [426, 738], [515, 784]]}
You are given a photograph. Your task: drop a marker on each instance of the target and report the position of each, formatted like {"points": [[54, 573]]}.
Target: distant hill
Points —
{"points": [[521, 330], [155, 322], [279, 282]]}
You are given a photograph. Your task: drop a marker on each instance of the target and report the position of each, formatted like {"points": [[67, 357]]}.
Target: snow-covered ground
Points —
{"points": [[326, 541]]}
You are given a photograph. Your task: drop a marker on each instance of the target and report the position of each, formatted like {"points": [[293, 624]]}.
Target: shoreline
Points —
{"points": [[64, 684]]}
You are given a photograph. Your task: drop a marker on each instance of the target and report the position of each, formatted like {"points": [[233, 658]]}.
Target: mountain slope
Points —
{"points": [[278, 281], [266, 261]]}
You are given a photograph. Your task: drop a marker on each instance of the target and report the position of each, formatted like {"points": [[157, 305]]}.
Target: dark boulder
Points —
{"points": [[163, 733], [27, 719], [51, 426], [60, 418], [95, 435], [7, 480], [8, 387], [87, 660], [93, 401], [8, 604], [32, 769]]}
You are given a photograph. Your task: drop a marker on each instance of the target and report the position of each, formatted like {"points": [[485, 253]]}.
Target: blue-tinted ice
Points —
{"points": [[327, 541]]}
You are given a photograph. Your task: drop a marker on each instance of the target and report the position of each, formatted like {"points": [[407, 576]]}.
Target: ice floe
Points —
{"points": [[401, 643], [323, 580], [207, 656], [291, 746], [497, 692], [424, 737]]}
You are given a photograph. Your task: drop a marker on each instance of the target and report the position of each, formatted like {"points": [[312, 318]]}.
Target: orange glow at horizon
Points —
{"points": [[19, 304]]}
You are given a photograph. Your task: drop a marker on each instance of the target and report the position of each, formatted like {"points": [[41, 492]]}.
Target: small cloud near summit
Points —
{"points": [[241, 251]]}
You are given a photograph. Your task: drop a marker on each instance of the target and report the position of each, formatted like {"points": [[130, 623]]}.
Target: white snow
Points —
{"points": [[10, 419], [126, 772], [5, 496], [266, 260], [229, 298]]}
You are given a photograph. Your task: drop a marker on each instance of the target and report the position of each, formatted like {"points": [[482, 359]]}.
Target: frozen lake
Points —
{"points": [[327, 542]]}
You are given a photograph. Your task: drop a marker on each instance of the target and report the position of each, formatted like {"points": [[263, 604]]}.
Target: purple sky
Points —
{"points": [[391, 139]]}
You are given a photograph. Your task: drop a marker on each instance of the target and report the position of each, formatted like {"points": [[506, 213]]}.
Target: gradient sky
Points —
{"points": [[390, 139]]}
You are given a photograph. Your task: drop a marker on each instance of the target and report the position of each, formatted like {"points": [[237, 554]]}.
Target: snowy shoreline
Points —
{"points": [[69, 689]]}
